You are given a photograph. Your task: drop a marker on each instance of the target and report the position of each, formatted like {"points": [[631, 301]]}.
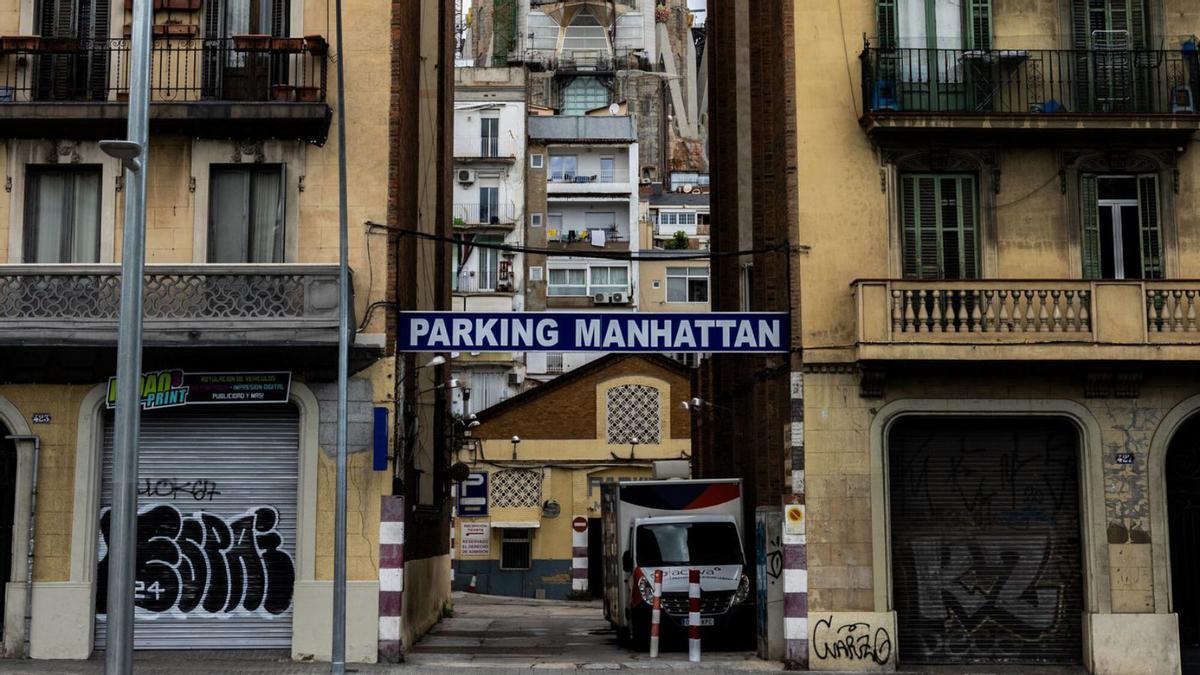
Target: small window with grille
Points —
{"points": [[515, 549], [632, 415]]}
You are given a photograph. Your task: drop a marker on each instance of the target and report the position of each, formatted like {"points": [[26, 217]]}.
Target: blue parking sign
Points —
{"points": [[472, 495]]}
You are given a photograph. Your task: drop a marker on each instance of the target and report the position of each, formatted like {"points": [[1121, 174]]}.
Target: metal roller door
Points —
{"points": [[216, 528], [985, 540]]}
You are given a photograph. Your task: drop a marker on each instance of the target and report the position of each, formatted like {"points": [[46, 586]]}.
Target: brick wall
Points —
{"points": [[568, 412]]}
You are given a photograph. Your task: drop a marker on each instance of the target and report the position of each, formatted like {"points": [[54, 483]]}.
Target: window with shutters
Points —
{"points": [[1107, 76], [231, 74], [939, 220], [83, 74], [934, 24], [1122, 231]]}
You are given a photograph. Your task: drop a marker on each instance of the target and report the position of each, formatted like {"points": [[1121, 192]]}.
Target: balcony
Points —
{"points": [[1022, 92], [583, 239], [1028, 320], [79, 88], [600, 182], [485, 216], [185, 305]]}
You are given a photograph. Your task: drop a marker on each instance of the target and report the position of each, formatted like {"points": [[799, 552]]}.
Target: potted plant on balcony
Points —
{"points": [[58, 45], [251, 42]]}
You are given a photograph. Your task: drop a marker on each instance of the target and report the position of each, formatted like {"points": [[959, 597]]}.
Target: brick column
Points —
{"points": [[795, 546], [391, 577]]}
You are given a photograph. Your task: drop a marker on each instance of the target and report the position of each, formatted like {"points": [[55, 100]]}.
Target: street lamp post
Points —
{"points": [[122, 543]]}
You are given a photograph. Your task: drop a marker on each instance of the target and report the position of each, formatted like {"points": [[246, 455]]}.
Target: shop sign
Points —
{"points": [[476, 539], [175, 388], [750, 332], [472, 500]]}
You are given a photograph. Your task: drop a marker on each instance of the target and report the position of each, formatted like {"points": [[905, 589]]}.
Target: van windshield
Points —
{"points": [[668, 544]]}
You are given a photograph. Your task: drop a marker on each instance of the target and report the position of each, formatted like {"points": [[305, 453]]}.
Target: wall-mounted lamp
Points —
{"points": [[516, 440], [435, 361]]}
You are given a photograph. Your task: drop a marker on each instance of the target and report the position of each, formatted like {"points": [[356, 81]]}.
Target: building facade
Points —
{"points": [[489, 209], [990, 408], [539, 535], [238, 425]]}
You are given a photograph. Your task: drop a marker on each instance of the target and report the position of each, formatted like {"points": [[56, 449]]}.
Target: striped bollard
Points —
{"points": [[452, 555], [391, 577], [471, 586], [694, 616], [655, 614]]}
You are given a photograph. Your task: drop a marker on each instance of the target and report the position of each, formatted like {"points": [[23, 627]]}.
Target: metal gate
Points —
{"points": [[985, 540], [216, 528]]}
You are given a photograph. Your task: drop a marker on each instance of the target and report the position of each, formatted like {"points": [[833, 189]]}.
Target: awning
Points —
{"points": [[516, 524]]}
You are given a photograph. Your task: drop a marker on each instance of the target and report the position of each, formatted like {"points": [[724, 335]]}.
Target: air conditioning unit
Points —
{"points": [[601, 299], [619, 298], [515, 379], [466, 176]]}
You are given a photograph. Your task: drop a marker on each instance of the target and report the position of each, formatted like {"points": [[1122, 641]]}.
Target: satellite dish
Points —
{"points": [[614, 109]]}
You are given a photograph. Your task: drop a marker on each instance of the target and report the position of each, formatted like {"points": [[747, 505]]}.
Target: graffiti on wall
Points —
{"points": [[204, 562], [851, 641]]}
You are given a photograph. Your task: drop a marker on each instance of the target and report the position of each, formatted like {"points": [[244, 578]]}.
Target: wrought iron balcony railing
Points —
{"points": [[1030, 81], [249, 68], [487, 213], [65, 304]]}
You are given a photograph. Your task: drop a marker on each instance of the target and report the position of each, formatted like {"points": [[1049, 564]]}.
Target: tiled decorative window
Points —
{"points": [[516, 487], [633, 413]]}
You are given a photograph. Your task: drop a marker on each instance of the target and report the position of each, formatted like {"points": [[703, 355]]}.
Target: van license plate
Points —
{"points": [[704, 621]]}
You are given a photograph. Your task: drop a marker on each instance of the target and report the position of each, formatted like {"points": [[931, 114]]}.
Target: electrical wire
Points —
{"points": [[606, 255]]}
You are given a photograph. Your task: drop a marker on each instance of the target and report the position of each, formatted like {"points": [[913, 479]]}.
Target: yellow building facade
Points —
{"points": [[538, 461], [996, 232], [241, 252]]}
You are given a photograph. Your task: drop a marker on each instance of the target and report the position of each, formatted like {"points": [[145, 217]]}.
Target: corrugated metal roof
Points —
{"points": [[679, 199], [567, 128]]}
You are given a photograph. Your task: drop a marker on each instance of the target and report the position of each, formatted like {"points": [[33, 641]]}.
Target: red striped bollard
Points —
{"points": [[655, 613], [471, 586], [694, 616]]}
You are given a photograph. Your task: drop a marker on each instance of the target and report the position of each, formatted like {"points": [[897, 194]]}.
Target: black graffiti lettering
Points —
{"points": [[202, 561], [851, 641], [170, 488]]}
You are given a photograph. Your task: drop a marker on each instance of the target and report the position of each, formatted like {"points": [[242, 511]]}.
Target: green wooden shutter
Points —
{"points": [[978, 19], [1090, 219], [887, 24], [1148, 216], [939, 219]]}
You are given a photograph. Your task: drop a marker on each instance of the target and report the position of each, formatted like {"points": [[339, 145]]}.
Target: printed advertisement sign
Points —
{"points": [[174, 388], [750, 332], [476, 539]]}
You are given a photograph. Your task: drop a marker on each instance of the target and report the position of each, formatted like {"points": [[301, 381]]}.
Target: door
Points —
{"points": [[217, 506], [1183, 516], [1121, 234], [75, 67], [1110, 73], [986, 562], [240, 75]]}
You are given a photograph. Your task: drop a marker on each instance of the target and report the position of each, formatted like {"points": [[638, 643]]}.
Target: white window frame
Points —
{"points": [[594, 288], [537, 161], [536, 219], [562, 176], [550, 285], [687, 276]]}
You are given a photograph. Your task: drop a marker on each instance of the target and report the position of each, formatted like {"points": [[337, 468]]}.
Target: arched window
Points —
{"points": [[632, 412]]}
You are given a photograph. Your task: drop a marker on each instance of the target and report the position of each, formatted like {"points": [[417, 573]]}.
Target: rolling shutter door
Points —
{"points": [[216, 528], [985, 540]]}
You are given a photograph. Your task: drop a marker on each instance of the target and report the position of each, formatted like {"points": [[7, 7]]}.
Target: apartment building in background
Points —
{"points": [[989, 415], [241, 302], [489, 211]]}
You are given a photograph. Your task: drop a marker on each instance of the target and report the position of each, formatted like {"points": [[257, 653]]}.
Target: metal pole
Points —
{"points": [[118, 658], [337, 664]]}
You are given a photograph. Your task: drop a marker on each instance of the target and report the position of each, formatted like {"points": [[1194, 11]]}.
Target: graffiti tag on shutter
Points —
{"points": [[205, 562]]}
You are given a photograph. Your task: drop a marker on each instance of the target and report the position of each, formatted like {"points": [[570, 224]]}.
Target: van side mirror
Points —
{"points": [[627, 561]]}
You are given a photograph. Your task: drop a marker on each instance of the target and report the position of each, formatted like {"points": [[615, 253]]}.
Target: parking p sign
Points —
{"points": [[472, 496]]}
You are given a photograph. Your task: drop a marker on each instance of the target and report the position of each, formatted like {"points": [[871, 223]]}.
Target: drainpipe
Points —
{"points": [[37, 446]]}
